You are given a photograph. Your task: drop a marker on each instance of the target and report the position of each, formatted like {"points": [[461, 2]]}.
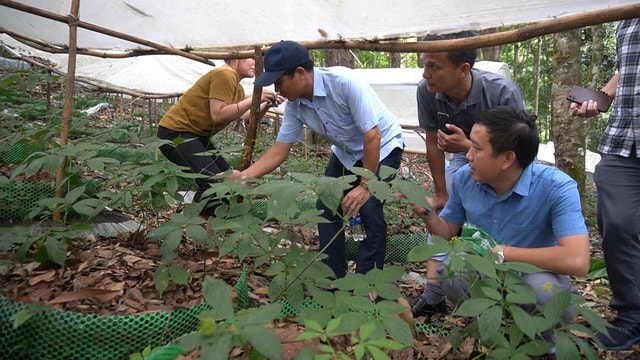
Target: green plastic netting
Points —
{"points": [[172, 351], [19, 197], [55, 334], [15, 153], [398, 246]]}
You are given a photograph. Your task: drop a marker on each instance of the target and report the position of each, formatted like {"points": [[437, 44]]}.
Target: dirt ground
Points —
{"points": [[113, 275]]}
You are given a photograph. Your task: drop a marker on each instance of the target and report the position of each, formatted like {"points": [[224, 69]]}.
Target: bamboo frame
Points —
{"points": [[101, 30], [252, 130], [541, 28], [67, 109], [545, 27], [105, 87]]}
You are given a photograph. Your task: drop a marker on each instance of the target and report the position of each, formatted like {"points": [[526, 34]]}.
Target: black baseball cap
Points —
{"points": [[281, 57]]}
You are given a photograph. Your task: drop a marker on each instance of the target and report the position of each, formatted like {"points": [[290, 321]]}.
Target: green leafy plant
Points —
{"points": [[222, 328], [143, 354], [296, 273], [339, 308], [597, 270], [500, 307]]}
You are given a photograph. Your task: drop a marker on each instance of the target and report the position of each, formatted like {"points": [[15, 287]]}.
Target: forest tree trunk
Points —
{"points": [[569, 132], [490, 53], [339, 57], [395, 60], [516, 65], [536, 82], [597, 54]]}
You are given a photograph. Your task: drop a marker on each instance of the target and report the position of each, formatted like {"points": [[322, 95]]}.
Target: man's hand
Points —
{"points": [[438, 201], [586, 109], [353, 201], [271, 98], [417, 209], [236, 174], [456, 142]]}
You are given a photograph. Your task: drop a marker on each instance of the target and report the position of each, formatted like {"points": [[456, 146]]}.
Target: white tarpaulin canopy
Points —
{"points": [[209, 24], [206, 25], [151, 74]]}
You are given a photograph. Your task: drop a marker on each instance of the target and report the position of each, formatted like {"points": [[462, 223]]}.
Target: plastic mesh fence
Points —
{"points": [[64, 335], [173, 350], [432, 329], [19, 197], [17, 152], [398, 246], [242, 290], [124, 154], [260, 207]]}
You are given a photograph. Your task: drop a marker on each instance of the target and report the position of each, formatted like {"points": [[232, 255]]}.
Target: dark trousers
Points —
{"points": [[618, 184], [372, 250], [199, 154]]}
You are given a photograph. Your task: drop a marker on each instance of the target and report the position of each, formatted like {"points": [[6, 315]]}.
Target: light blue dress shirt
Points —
{"points": [[344, 107], [543, 206]]}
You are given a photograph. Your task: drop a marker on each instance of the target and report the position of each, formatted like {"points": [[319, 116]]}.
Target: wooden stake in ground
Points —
{"points": [[67, 109], [250, 140]]}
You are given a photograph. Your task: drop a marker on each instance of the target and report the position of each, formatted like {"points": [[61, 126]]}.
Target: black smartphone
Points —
{"points": [[579, 95], [443, 119]]}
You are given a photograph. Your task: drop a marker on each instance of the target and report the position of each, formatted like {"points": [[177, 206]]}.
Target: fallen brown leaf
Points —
{"points": [[99, 294]]}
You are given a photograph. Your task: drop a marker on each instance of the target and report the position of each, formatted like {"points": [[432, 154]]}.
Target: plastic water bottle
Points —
{"points": [[357, 230]]}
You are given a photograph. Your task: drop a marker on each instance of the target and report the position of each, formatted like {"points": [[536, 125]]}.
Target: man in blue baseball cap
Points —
{"points": [[279, 58], [344, 109]]}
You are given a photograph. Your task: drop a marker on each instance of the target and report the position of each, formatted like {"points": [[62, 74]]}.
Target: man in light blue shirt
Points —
{"points": [[334, 103], [450, 97], [532, 210], [342, 109], [541, 207]]}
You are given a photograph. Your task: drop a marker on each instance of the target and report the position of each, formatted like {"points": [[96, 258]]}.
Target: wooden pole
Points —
{"points": [[67, 109], [104, 87], [540, 28], [46, 47], [252, 130], [544, 27]]}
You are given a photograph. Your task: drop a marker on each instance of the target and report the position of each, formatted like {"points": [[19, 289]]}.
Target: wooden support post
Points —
{"points": [[250, 140], [67, 110]]}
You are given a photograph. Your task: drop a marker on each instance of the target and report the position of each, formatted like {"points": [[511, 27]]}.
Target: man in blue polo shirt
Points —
{"points": [[451, 96], [532, 210], [334, 103]]}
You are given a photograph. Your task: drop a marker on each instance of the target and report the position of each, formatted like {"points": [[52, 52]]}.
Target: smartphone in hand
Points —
{"points": [[579, 95], [443, 119]]}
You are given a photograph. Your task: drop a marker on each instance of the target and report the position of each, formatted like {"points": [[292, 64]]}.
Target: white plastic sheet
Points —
{"points": [[211, 24]]}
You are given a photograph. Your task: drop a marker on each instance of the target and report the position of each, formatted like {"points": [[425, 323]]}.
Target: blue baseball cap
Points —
{"points": [[279, 58]]}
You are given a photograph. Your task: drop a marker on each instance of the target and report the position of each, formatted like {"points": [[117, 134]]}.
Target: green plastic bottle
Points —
{"points": [[478, 238]]}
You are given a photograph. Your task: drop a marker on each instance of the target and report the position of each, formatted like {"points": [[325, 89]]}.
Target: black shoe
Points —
{"points": [[622, 335], [421, 308]]}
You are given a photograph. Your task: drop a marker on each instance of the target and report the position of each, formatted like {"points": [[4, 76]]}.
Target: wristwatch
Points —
{"points": [[500, 253], [364, 183]]}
